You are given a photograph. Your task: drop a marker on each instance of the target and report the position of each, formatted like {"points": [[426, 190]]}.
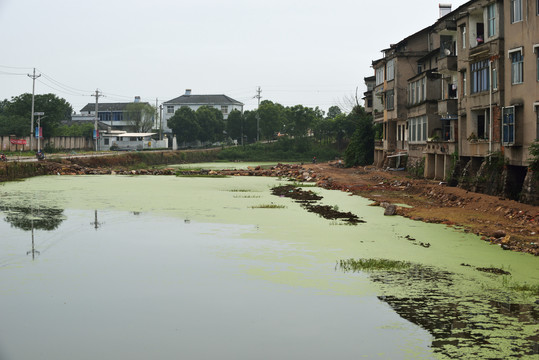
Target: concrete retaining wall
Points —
{"points": [[58, 142]]}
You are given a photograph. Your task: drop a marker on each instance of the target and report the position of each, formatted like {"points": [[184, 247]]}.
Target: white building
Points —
{"points": [[122, 140], [223, 103]]}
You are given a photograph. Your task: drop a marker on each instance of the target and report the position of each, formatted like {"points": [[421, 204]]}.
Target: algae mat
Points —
{"points": [[119, 266]]}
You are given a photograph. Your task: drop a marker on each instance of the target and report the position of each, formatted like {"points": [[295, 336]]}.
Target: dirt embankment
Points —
{"points": [[510, 224]]}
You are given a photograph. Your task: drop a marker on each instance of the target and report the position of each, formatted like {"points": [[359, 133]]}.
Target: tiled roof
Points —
{"points": [[108, 106], [203, 100]]}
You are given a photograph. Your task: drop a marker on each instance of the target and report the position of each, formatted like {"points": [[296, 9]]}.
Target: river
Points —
{"points": [[133, 267]]}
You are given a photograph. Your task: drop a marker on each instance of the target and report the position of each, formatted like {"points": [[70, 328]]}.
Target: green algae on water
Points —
{"points": [[353, 265]]}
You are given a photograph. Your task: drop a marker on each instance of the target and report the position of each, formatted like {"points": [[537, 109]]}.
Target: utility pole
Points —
{"points": [[97, 95], [33, 77], [258, 96], [160, 122]]}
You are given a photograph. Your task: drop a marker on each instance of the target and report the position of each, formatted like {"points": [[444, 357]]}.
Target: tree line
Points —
{"points": [[269, 122]]}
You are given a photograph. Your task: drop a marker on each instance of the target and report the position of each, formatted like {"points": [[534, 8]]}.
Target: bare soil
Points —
{"points": [[510, 224]]}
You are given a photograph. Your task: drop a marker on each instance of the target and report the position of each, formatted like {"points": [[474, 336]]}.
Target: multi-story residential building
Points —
{"points": [[377, 109], [480, 46], [443, 135], [392, 73], [520, 122], [367, 95], [473, 96]]}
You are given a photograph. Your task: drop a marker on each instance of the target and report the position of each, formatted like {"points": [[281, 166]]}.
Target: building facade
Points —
{"points": [[223, 103], [470, 85], [116, 116]]}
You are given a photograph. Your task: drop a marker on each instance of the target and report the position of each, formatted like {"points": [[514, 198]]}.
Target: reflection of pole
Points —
{"points": [[33, 251], [96, 223]]}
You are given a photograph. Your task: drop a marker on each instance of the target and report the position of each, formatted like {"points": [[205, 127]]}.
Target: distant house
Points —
{"points": [[110, 115], [122, 140], [221, 102]]}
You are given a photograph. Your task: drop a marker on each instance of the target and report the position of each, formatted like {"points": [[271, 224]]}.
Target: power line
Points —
{"points": [[11, 73], [62, 85], [16, 67]]}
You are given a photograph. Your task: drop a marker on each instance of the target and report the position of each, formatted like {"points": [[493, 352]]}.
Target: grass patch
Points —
{"points": [[353, 265], [201, 176], [246, 196], [530, 289], [300, 185], [239, 190], [268, 206]]}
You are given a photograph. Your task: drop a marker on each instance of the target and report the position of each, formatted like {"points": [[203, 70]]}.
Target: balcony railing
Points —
{"points": [[447, 63]]}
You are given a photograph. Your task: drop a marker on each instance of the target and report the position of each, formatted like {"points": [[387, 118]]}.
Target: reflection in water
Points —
{"points": [[96, 223], [463, 326], [34, 252], [28, 218]]}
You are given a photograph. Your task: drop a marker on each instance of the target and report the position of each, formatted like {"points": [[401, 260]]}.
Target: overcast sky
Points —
{"points": [[308, 52]]}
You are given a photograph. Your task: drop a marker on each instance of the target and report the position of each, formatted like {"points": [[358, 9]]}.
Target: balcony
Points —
{"points": [[447, 64], [447, 106]]}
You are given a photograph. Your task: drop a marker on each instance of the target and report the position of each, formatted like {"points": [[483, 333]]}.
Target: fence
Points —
{"points": [[57, 142]]}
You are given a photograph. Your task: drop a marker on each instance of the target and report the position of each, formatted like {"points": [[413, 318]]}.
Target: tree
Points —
{"points": [[211, 124], [184, 124], [360, 151], [234, 125], [14, 125], [249, 125], [271, 118], [140, 116], [85, 129], [333, 111], [20, 107], [300, 119]]}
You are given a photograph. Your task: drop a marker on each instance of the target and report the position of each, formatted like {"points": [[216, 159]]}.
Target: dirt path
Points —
{"points": [[512, 225]]}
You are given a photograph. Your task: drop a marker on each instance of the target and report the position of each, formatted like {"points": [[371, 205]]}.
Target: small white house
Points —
{"points": [[122, 140]]}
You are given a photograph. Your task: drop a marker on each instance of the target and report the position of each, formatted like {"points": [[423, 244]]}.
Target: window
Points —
{"points": [[106, 141], [464, 83], [480, 78], [417, 129], [508, 125], [390, 99], [537, 122], [494, 79], [491, 15], [224, 109], [463, 33], [536, 48], [480, 31], [170, 109], [447, 130], [379, 75], [516, 11], [483, 126], [517, 67], [417, 91], [390, 75]]}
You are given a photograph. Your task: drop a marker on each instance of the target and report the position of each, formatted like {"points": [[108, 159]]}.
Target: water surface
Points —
{"points": [[167, 267]]}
